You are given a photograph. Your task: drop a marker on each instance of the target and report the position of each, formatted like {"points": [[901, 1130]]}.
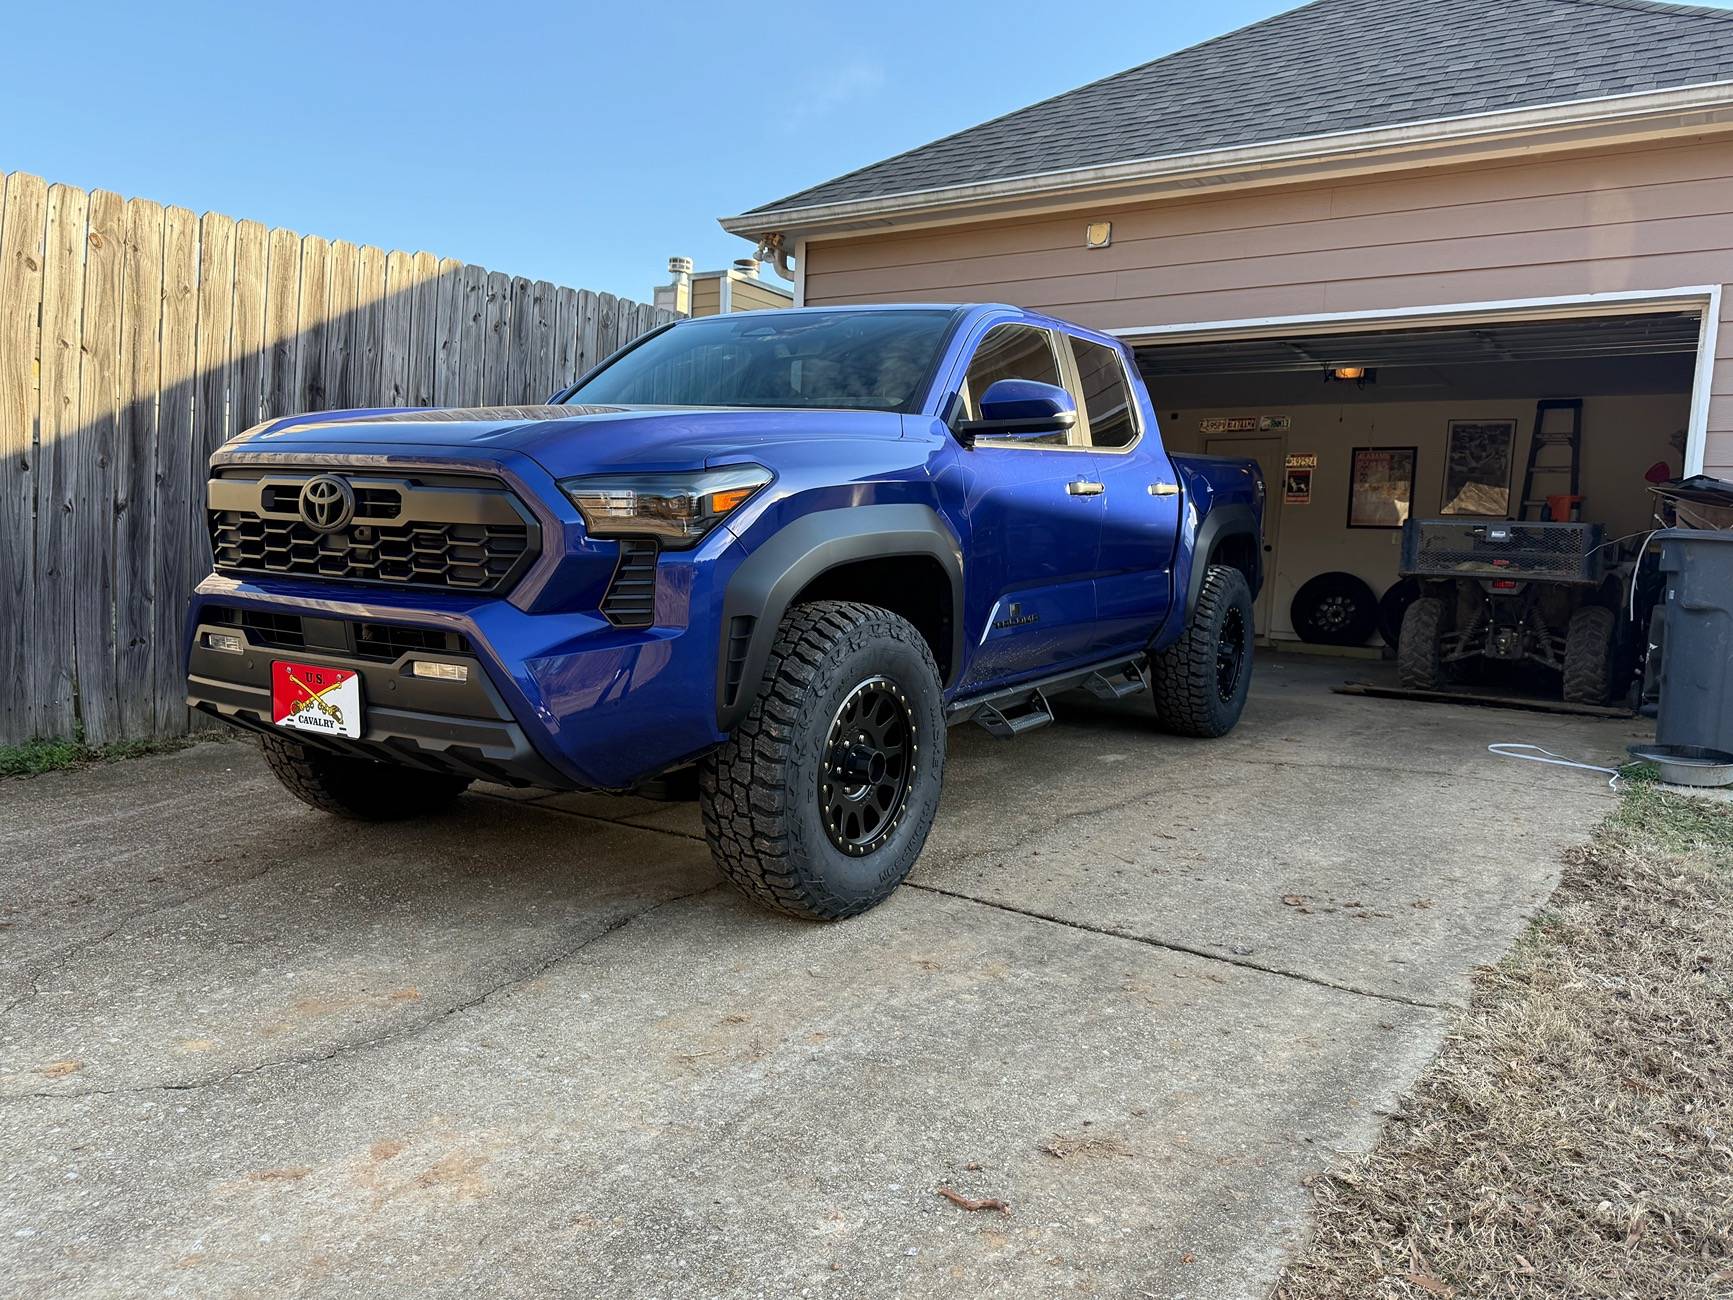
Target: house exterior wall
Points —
{"points": [[751, 295], [1657, 217]]}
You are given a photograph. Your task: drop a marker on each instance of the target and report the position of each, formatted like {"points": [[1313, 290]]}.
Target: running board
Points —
{"points": [[1018, 709], [1009, 719]]}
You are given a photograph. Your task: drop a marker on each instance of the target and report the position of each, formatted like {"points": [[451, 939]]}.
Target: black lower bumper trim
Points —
{"points": [[482, 741]]}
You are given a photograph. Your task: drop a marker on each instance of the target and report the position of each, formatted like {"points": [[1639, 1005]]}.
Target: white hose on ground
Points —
{"points": [[1507, 749]]}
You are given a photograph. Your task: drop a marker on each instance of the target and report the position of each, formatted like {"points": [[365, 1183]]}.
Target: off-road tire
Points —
{"points": [[1591, 643], [358, 788], [1184, 678], [1420, 648], [760, 793]]}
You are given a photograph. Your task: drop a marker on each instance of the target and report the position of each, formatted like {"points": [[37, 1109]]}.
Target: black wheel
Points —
{"points": [[1590, 645], [1420, 648], [357, 787], [1334, 609], [820, 802], [1392, 606], [1201, 681]]}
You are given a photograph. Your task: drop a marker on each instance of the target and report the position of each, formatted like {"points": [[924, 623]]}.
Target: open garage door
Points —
{"points": [[1505, 417]]}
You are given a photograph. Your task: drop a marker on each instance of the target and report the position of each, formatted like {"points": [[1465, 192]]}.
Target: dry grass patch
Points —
{"points": [[1575, 1136]]}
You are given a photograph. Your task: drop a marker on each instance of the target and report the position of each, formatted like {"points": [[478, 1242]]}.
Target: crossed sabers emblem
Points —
{"points": [[316, 699]]}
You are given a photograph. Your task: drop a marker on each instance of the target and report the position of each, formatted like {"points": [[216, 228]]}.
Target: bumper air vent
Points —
{"points": [[739, 639], [384, 641], [631, 598]]}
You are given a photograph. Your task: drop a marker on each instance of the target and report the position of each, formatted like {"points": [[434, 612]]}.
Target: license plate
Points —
{"points": [[305, 697]]}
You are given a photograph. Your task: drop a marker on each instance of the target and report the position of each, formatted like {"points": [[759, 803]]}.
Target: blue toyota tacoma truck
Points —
{"points": [[771, 556]]}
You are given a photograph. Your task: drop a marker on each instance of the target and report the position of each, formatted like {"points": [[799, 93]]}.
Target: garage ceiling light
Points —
{"points": [[1358, 375]]}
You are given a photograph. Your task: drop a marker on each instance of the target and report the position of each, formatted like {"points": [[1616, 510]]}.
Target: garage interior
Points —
{"points": [[1302, 403]]}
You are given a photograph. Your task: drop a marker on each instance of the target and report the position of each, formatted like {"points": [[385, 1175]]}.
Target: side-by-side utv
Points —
{"points": [[1512, 593]]}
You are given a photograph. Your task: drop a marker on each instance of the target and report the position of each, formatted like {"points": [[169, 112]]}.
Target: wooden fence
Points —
{"points": [[135, 338]]}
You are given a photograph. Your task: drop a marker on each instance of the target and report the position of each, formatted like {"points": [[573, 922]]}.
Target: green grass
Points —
{"points": [[34, 757]]}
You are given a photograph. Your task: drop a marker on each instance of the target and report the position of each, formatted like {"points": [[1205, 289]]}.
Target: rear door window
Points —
{"points": [[1106, 394]]}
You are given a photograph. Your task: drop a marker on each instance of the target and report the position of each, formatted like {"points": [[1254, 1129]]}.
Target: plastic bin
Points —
{"points": [[1696, 707]]}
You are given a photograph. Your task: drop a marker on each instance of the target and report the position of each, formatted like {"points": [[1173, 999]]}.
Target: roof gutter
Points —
{"points": [[1578, 124]]}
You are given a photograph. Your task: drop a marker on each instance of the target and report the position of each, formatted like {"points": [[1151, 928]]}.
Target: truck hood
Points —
{"points": [[571, 439]]}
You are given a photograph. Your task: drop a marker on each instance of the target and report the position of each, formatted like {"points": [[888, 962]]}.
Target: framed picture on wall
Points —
{"points": [[1381, 486], [1477, 467]]}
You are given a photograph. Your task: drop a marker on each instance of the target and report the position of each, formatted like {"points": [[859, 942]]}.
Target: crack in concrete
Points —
{"points": [[1105, 931], [590, 817], [397, 1035], [1111, 932], [54, 959]]}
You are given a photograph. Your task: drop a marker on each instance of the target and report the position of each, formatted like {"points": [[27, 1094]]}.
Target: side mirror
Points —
{"points": [[1020, 408]]}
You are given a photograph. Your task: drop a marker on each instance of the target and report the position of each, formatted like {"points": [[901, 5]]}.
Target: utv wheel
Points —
{"points": [[1420, 648], [1590, 643], [820, 802], [1201, 681], [357, 787]]}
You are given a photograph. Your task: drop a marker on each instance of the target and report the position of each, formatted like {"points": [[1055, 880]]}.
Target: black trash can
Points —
{"points": [[1696, 707]]}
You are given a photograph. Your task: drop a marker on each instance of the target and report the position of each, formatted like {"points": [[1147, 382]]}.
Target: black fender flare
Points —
{"points": [[769, 579], [1219, 524]]}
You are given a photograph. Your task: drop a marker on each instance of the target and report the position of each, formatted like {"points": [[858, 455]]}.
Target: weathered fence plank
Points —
{"points": [[95, 442], [498, 339], [216, 410], [368, 388], [589, 330], [134, 340], [340, 335], [423, 336], [282, 309], [247, 373], [23, 223], [472, 325], [176, 512], [447, 334], [310, 322], [399, 290], [565, 338], [51, 661], [135, 506]]}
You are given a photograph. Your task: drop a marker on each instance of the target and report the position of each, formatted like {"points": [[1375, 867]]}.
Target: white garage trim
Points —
{"points": [[1704, 298]]}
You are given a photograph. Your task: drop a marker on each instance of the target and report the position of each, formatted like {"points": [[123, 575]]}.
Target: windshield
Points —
{"points": [[867, 361]]}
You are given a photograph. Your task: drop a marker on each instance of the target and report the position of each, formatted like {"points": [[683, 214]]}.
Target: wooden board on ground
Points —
{"points": [[1529, 702]]}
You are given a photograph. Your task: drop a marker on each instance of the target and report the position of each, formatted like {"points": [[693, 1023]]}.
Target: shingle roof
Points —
{"points": [[1330, 66]]}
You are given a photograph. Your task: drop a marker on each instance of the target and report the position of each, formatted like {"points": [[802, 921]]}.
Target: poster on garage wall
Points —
{"points": [[1381, 486], [1297, 477], [1477, 467]]}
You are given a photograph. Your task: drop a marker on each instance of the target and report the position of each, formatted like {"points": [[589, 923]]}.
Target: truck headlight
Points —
{"points": [[679, 509]]}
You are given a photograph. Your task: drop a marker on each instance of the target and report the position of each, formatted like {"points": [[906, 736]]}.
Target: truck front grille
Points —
{"points": [[443, 532]]}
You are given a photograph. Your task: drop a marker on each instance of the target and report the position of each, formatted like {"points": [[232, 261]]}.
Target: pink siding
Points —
{"points": [[1655, 218]]}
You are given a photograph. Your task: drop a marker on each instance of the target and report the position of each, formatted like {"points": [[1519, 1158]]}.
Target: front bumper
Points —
{"points": [[412, 721], [558, 700]]}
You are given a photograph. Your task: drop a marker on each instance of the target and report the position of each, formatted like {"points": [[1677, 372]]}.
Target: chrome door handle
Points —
{"points": [[1082, 487], [1164, 489]]}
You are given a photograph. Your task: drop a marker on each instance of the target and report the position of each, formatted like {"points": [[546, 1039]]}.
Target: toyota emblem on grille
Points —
{"points": [[327, 503]]}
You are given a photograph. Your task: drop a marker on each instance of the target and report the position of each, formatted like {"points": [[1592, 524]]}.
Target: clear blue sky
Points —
{"points": [[580, 143]]}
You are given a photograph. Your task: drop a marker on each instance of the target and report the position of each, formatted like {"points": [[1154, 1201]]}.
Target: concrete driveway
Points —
{"points": [[1138, 990]]}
